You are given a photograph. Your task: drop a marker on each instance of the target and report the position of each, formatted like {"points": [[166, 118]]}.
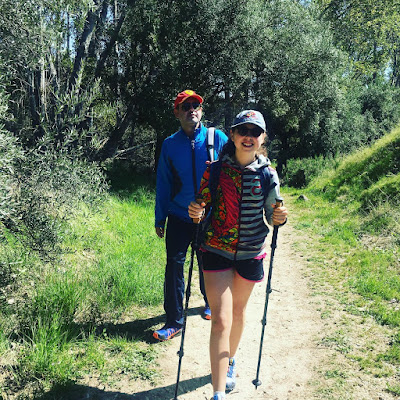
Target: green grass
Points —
{"points": [[370, 175], [64, 320], [126, 248], [353, 219], [355, 260]]}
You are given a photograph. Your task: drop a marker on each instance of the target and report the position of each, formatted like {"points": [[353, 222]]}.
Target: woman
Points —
{"points": [[234, 244]]}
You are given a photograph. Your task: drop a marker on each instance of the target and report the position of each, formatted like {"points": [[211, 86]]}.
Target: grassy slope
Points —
{"points": [[353, 217], [370, 176]]}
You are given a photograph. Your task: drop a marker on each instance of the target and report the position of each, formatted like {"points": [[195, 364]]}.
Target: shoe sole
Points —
{"points": [[155, 336], [207, 317]]}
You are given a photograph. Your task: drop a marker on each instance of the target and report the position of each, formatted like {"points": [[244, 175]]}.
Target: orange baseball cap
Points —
{"points": [[182, 96]]}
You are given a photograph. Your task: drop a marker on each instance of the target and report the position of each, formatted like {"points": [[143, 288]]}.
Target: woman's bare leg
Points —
{"points": [[241, 292], [227, 294], [219, 294]]}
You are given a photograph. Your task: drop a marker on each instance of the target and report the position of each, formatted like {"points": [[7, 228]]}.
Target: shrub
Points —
{"points": [[50, 186], [299, 172], [40, 191]]}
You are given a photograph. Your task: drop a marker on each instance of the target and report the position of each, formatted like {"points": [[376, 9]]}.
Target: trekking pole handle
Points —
{"points": [[278, 203], [200, 201]]}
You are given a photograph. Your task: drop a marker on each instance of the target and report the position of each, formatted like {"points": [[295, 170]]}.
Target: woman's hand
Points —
{"points": [[196, 210], [279, 215]]}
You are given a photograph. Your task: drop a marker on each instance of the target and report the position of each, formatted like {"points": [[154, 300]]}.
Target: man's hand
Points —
{"points": [[160, 231]]}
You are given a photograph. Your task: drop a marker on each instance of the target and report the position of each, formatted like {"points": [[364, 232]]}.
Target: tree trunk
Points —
{"points": [[109, 149], [81, 52], [33, 106], [395, 72], [228, 110], [110, 45]]}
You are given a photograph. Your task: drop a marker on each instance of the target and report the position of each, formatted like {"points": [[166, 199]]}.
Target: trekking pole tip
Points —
{"points": [[256, 383]]}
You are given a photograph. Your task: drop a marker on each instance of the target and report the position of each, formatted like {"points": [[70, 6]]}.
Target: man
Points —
{"points": [[182, 163]]}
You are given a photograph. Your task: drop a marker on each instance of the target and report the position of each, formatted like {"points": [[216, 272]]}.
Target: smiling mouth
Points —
{"points": [[247, 144]]}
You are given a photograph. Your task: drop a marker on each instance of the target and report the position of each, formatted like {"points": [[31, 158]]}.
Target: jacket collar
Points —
{"points": [[198, 133]]}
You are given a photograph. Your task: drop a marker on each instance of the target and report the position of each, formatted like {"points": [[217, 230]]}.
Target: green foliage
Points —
{"points": [[369, 32], [298, 84], [100, 77], [49, 186], [365, 172], [300, 172], [10, 155], [112, 263]]}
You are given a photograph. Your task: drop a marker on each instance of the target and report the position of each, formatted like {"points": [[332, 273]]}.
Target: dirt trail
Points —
{"points": [[290, 352], [302, 357]]}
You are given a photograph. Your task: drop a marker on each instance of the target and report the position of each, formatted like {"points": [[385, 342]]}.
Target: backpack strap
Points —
{"points": [[210, 143], [215, 170], [267, 183]]}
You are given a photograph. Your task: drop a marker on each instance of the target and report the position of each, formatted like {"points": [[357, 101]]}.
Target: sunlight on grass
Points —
{"points": [[354, 258], [113, 263], [129, 257]]}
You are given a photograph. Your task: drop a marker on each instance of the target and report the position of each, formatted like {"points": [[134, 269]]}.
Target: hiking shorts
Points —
{"points": [[251, 269]]}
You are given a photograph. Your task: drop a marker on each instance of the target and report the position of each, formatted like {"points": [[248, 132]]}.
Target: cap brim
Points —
{"points": [[249, 122], [194, 96]]}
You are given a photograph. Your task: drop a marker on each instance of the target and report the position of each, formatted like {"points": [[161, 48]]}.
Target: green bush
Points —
{"points": [[44, 190], [362, 170], [299, 173]]}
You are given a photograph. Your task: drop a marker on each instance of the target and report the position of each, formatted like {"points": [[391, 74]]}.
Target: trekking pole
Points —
{"points": [[257, 382], [188, 290]]}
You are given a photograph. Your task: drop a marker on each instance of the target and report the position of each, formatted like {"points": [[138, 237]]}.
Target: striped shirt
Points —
{"points": [[238, 228]]}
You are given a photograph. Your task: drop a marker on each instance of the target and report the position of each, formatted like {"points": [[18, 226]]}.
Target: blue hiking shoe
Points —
{"points": [[206, 313], [218, 397], [166, 333], [231, 375]]}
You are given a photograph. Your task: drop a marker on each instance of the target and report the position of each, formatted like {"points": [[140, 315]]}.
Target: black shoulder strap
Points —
{"points": [[215, 170], [210, 143], [267, 184]]}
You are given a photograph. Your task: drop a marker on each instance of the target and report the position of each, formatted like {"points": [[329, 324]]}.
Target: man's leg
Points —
{"points": [[178, 237]]}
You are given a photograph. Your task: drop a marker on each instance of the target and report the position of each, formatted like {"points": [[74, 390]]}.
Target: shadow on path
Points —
{"points": [[141, 329], [80, 392]]}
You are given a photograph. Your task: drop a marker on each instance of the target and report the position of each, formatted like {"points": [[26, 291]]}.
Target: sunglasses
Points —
{"points": [[188, 106], [254, 132]]}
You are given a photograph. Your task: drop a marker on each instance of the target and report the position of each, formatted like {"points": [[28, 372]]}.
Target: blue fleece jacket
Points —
{"points": [[175, 181]]}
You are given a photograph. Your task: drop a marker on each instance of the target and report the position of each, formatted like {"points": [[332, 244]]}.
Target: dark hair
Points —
{"points": [[228, 148]]}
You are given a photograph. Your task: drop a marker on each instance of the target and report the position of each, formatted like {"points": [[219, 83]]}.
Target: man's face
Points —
{"points": [[189, 113]]}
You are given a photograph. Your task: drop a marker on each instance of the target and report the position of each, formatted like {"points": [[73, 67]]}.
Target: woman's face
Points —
{"points": [[247, 137]]}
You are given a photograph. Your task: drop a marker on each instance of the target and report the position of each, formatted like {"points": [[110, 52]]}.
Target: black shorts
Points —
{"points": [[251, 269]]}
